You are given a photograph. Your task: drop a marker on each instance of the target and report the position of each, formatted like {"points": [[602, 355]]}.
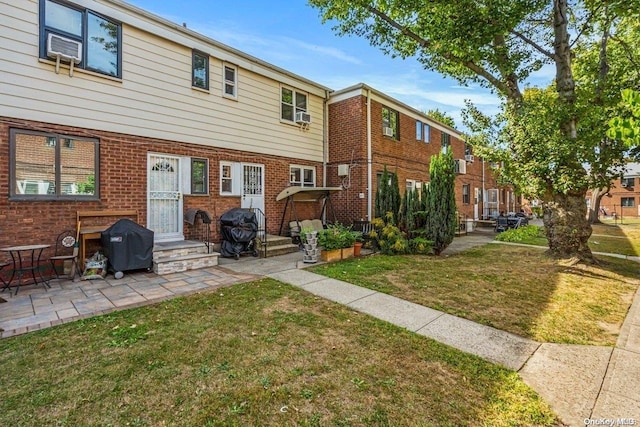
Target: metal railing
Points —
{"points": [[262, 229]]}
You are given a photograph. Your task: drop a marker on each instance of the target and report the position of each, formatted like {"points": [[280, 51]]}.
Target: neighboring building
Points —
{"points": [[623, 199], [369, 130], [106, 106]]}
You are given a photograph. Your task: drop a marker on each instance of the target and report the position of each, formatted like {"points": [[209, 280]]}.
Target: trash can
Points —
{"points": [[128, 246]]}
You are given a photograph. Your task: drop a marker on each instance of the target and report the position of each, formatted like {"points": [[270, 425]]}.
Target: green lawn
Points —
{"points": [[607, 238], [260, 353], [513, 288]]}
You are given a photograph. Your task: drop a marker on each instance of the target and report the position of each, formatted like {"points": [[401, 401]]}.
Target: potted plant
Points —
{"points": [[308, 236], [357, 246], [337, 242]]}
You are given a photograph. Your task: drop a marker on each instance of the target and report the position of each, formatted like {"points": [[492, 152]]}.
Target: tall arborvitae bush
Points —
{"points": [[388, 197], [441, 202]]}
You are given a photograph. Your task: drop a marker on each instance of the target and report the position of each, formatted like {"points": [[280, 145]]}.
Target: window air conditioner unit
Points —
{"points": [[302, 117], [469, 158], [623, 184], [460, 166], [64, 48], [387, 131]]}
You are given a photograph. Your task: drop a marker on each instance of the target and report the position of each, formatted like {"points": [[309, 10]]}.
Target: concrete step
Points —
{"points": [[178, 249], [192, 261], [273, 240], [275, 250]]}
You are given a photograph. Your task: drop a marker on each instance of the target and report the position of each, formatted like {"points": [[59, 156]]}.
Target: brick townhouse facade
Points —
{"points": [[369, 130], [623, 198]]}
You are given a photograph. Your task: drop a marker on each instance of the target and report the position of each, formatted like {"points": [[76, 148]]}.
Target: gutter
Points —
{"points": [[369, 178]]}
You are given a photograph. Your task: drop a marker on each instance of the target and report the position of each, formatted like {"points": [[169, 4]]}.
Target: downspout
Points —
{"points": [[369, 178], [483, 192], [325, 140]]}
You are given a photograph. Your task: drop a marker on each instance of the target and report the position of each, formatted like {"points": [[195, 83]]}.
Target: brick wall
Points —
{"points": [[405, 156], [123, 184]]}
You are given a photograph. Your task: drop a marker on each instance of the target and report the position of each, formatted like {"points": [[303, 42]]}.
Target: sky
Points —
{"points": [[290, 34]]}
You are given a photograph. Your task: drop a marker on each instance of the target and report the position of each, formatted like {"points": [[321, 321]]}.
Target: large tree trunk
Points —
{"points": [[567, 227], [596, 197], [565, 212]]}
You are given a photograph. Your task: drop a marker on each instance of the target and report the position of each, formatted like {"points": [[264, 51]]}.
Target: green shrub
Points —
{"points": [[336, 236], [421, 246], [521, 233]]}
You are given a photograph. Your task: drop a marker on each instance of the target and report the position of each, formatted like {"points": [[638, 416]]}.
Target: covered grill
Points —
{"points": [[239, 228], [128, 246]]}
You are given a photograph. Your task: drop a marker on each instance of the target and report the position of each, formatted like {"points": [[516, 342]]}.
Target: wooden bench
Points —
{"points": [[94, 232]]}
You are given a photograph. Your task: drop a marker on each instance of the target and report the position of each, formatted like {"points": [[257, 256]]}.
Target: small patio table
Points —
{"points": [[25, 259]]}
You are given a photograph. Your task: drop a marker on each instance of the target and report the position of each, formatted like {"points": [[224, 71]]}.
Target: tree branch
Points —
{"points": [[628, 50], [480, 71], [534, 45]]}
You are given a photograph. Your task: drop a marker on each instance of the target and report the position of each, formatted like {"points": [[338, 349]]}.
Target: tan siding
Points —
{"points": [[154, 98]]}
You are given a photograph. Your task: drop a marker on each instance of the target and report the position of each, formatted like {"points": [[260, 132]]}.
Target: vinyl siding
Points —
{"points": [[154, 98]]}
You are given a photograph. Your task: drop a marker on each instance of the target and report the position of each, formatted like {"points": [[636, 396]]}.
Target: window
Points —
{"points": [[468, 149], [627, 182], [466, 194], [628, 202], [51, 166], [200, 70], [302, 176], [230, 81], [199, 176], [445, 141], [292, 102], [390, 121], [422, 132], [226, 178], [101, 37]]}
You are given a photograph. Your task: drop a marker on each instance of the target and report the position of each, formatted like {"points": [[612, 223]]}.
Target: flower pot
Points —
{"points": [[347, 253], [357, 246], [332, 255]]}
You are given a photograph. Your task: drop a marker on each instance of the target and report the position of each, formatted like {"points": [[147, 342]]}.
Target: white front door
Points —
{"points": [[164, 197], [253, 186]]}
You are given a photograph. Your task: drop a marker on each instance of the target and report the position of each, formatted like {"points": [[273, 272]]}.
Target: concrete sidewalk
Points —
{"points": [[584, 385], [581, 383]]}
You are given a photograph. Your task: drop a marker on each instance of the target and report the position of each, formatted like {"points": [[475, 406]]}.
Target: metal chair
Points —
{"points": [[65, 242], [4, 282], [502, 224]]}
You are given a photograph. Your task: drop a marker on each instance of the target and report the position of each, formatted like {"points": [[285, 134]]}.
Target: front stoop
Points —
{"points": [[174, 257], [279, 245]]}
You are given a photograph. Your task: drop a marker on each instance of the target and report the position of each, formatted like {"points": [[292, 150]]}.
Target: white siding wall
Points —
{"points": [[154, 97]]}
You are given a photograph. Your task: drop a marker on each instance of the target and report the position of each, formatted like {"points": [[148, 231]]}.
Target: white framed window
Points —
{"points": [[292, 102], [230, 178], [229, 81], [302, 176], [466, 196], [628, 202], [390, 120], [422, 131], [445, 142]]}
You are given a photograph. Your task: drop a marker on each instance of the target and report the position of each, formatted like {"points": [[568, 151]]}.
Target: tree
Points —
{"points": [[627, 128], [442, 117], [498, 44], [388, 197], [441, 202]]}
